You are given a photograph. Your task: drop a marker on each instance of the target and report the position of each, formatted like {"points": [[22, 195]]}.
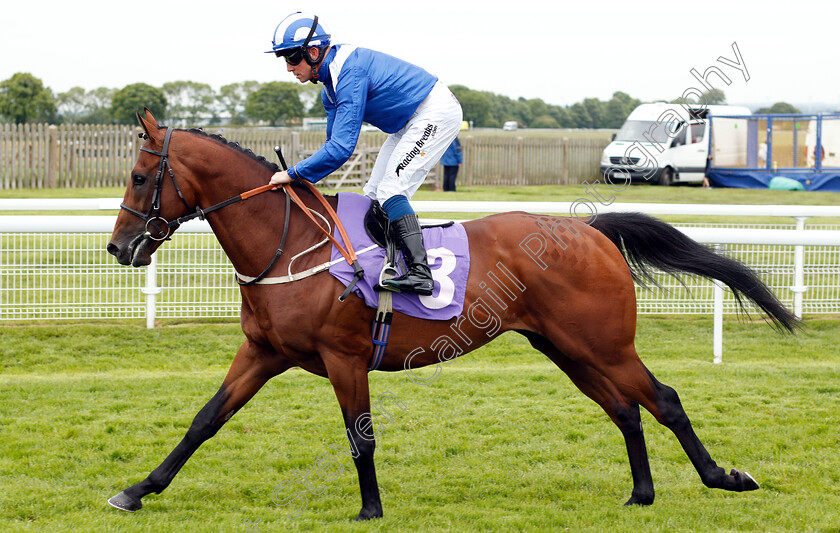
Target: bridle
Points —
{"points": [[152, 216]]}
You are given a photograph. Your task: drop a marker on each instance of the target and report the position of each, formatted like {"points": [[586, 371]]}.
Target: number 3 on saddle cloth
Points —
{"points": [[448, 254]]}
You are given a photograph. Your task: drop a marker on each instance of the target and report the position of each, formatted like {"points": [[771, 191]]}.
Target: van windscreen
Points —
{"points": [[648, 131]]}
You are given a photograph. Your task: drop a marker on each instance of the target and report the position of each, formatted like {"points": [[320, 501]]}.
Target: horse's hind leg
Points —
{"points": [[669, 411], [627, 372], [250, 370], [623, 412]]}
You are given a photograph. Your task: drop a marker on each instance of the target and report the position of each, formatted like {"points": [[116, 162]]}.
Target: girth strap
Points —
{"points": [[381, 327]]}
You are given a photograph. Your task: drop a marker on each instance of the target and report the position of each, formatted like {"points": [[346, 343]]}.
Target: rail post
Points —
{"points": [[468, 148], [151, 290], [52, 157], [295, 151], [565, 167], [717, 335], [717, 341], [799, 287]]}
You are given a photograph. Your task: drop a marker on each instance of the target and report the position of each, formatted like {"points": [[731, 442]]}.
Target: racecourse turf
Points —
{"points": [[500, 441]]}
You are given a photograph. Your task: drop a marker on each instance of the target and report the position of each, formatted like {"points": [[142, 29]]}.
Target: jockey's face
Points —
{"points": [[303, 71]]}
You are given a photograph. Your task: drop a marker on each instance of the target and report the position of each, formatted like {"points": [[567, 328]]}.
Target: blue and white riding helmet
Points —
{"points": [[296, 32]]}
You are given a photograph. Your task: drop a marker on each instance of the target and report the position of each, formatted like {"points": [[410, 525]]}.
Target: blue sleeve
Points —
{"points": [[344, 122]]}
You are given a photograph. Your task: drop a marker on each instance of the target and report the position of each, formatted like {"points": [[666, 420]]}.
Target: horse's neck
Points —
{"points": [[250, 231]]}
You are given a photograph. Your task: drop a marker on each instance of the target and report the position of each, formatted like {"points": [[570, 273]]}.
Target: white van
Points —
{"points": [[663, 143]]}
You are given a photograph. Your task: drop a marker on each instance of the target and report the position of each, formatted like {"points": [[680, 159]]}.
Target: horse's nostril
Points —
{"points": [[112, 249]]}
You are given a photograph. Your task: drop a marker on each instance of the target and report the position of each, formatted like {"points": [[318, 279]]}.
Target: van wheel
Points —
{"points": [[667, 177]]}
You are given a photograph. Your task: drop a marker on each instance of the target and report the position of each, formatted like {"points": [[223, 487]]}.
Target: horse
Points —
{"points": [[565, 283]]}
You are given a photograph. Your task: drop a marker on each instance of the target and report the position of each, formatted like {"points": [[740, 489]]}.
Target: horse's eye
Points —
{"points": [[138, 180]]}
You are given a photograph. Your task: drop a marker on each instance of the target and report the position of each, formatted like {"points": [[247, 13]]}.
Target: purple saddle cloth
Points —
{"points": [[448, 253]]}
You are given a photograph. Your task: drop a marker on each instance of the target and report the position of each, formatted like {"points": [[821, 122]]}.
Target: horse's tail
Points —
{"points": [[648, 242]]}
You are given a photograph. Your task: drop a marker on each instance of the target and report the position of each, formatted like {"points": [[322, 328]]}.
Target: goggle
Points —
{"points": [[292, 57]]}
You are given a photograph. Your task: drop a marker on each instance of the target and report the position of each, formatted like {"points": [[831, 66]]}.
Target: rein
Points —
{"points": [[153, 216]]}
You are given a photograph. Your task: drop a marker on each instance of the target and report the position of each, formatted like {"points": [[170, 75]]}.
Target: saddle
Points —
{"points": [[378, 227]]}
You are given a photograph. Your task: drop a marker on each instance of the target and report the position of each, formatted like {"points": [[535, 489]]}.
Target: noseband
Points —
{"points": [[152, 216]]}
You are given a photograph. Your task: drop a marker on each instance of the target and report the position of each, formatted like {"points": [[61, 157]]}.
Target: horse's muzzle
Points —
{"points": [[114, 250], [136, 253]]}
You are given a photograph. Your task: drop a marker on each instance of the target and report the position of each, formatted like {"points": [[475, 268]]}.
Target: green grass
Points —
{"points": [[500, 442]]}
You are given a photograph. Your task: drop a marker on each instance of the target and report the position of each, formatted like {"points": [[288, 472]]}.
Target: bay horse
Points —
{"points": [[567, 286]]}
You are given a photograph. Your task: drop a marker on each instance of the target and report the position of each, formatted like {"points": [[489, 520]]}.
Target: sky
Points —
{"points": [[556, 51]]}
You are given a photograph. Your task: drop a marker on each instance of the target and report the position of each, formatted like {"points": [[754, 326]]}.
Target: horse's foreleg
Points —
{"points": [[350, 382], [251, 368], [621, 410]]}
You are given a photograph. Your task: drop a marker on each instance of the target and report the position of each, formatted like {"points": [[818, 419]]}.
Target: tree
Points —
{"points": [[544, 121], [780, 107], [475, 105], [597, 110], [504, 109], [521, 112], [275, 102], [710, 97], [713, 97], [618, 109], [579, 116], [71, 105], [23, 98], [590, 113], [538, 107], [561, 115], [133, 98], [98, 104], [78, 106], [310, 95], [188, 101], [232, 98]]}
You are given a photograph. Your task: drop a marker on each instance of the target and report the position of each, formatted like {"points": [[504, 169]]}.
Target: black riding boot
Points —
{"points": [[418, 279]]}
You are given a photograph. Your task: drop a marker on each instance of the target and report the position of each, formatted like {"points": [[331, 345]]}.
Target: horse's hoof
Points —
{"points": [[639, 500], [367, 515], [745, 481], [124, 502]]}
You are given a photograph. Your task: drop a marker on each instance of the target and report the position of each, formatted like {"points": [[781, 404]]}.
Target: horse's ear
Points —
{"points": [[143, 125], [148, 123], [149, 116]]}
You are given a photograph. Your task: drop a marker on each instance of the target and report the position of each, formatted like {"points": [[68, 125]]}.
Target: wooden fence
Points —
{"points": [[71, 155], [506, 160]]}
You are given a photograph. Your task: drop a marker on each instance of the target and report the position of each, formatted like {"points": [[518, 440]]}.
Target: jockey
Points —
{"points": [[418, 111]]}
